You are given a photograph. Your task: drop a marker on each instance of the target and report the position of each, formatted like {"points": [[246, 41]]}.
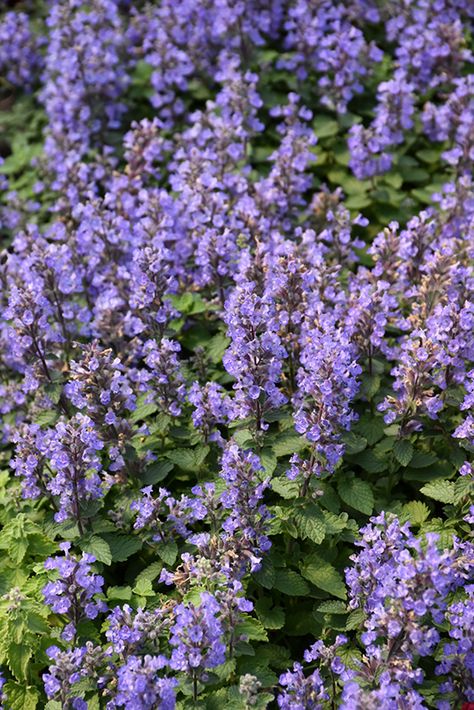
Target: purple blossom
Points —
{"points": [[255, 354], [327, 382], [197, 638], [139, 687], [76, 591], [20, 57]]}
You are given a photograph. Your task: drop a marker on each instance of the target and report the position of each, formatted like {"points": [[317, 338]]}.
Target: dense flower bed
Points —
{"points": [[237, 354]]}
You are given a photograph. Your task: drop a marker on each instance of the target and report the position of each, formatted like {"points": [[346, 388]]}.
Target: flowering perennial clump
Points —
{"points": [[236, 354]]}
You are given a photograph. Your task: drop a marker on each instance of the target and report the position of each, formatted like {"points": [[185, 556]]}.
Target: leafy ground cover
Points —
{"points": [[236, 336]]}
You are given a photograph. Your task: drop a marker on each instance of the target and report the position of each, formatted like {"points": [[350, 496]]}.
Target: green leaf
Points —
{"points": [[357, 202], [47, 418], [285, 488], [122, 546], [370, 385], [271, 618], [324, 576], [20, 697], [421, 459], [394, 180], [370, 462], [355, 619], [168, 551], [416, 512], [290, 583], [333, 607], [442, 491], [403, 451], [216, 347], [151, 572], [143, 588], [119, 593], [354, 444], [310, 523], [372, 428], [356, 493], [287, 444], [18, 657], [335, 523], [269, 461], [325, 127], [182, 302], [14, 538], [189, 460], [156, 472], [251, 628], [428, 155], [266, 575], [464, 488], [143, 411], [98, 547]]}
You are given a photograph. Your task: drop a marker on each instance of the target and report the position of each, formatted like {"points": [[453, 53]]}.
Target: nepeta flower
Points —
{"points": [[131, 632], [163, 380], [20, 58], [255, 354], [197, 638], [166, 516], [139, 687], [211, 407], [76, 592], [327, 382], [245, 526]]}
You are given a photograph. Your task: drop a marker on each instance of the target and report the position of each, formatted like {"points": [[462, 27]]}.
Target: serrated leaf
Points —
{"points": [[20, 696], [370, 385], [168, 551], [421, 459], [334, 523], [216, 347], [463, 488], [151, 572], [288, 444], [271, 617], [285, 487], [428, 155], [251, 628], [355, 619], [265, 576], [325, 127], [357, 493], [47, 418], [324, 576], [156, 472], [119, 593], [371, 428], [143, 588], [189, 460], [291, 583], [310, 524], [18, 657], [269, 461], [98, 547], [353, 444], [370, 462], [122, 546], [143, 411], [333, 607], [403, 451], [442, 491], [416, 512]]}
